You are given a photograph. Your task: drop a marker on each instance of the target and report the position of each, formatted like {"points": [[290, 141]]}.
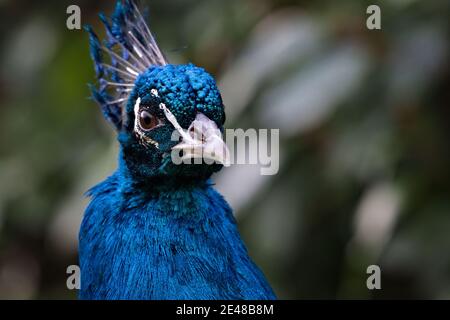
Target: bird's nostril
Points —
{"points": [[192, 132]]}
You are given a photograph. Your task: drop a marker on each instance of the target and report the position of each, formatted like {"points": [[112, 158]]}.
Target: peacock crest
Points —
{"points": [[128, 51]]}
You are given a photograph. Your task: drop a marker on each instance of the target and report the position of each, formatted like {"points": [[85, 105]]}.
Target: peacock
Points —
{"points": [[156, 229]]}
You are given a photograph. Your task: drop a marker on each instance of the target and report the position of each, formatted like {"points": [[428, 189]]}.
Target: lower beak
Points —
{"points": [[203, 139]]}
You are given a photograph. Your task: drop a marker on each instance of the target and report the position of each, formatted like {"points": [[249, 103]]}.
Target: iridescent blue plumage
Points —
{"points": [[154, 229], [180, 242]]}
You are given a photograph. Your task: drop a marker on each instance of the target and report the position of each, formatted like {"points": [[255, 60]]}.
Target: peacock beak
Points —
{"points": [[203, 140]]}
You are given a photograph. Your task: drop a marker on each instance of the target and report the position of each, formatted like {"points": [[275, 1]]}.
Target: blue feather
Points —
{"points": [[118, 28], [104, 19], [95, 51], [111, 112]]}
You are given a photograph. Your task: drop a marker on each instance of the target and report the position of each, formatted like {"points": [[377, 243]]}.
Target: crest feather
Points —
{"points": [[129, 49]]}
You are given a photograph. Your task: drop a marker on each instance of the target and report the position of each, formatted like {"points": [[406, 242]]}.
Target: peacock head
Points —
{"points": [[169, 118]]}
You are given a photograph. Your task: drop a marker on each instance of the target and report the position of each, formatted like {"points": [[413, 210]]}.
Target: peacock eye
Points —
{"points": [[147, 121]]}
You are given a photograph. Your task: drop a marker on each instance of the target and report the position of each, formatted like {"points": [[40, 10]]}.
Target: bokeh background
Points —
{"points": [[364, 138]]}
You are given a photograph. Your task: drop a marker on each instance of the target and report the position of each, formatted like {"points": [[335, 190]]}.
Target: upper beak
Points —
{"points": [[203, 139]]}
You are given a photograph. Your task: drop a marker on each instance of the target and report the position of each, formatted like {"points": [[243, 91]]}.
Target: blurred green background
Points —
{"points": [[364, 138]]}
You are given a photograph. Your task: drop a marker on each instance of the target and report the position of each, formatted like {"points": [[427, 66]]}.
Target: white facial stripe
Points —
{"points": [[137, 104], [137, 128], [170, 116]]}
